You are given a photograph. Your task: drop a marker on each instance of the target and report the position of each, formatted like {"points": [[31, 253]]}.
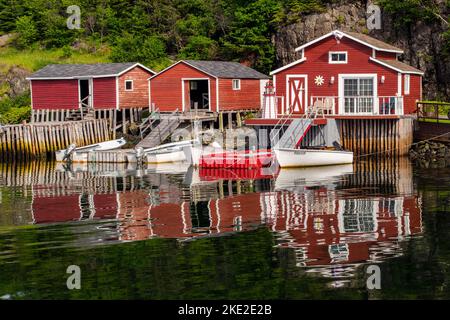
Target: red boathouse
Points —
{"points": [[208, 86], [97, 86], [347, 74]]}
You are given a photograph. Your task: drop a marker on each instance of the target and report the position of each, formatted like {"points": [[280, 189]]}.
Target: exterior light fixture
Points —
{"points": [[332, 80], [383, 78]]}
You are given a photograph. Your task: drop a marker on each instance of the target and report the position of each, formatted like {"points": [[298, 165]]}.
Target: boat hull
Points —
{"points": [[296, 158], [83, 151]]}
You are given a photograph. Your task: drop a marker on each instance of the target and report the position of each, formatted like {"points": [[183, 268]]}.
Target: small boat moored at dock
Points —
{"points": [[295, 158], [74, 153]]}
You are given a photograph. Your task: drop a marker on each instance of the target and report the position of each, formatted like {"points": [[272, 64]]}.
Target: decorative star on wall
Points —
{"points": [[319, 80]]}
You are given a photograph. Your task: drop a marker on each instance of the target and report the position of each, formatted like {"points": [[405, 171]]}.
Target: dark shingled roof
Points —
{"points": [[400, 66], [372, 41], [226, 69], [73, 71]]}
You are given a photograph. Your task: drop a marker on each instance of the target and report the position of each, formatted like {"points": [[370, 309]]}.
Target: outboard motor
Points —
{"points": [[69, 151], [139, 154]]}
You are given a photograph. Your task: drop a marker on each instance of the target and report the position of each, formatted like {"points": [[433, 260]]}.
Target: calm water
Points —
{"points": [[171, 232]]}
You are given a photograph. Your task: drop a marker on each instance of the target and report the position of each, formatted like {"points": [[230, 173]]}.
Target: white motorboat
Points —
{"points": [[295, 158], [62, 155], [165, 153]]}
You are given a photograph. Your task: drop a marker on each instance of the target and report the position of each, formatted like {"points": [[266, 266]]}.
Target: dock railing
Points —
{"points": [[433, 111], [358, 105]]}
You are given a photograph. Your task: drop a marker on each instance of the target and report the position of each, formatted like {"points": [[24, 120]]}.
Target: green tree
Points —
{"points": [[250, 35], [150, 51], [199, 48], [27, 31]]}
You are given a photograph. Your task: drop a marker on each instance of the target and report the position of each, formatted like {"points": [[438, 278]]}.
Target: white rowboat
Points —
{"points": [[62, 155], [295, 158]]}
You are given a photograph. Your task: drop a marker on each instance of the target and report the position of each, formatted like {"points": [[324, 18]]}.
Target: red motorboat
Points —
{"points": [[237, 159]]}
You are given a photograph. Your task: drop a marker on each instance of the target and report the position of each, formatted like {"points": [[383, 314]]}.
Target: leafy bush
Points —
{"points": [[16, 115], [27, 31], [199, 48], [149, 51]]}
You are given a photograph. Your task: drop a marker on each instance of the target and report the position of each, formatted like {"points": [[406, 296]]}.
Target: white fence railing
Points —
{"points": [[358, 105]]}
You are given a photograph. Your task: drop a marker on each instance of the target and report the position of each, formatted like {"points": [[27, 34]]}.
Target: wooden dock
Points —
{"points": [[39, 140]]}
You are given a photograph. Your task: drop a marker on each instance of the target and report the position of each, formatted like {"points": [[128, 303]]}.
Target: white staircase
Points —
{"points": [[294, 134]]}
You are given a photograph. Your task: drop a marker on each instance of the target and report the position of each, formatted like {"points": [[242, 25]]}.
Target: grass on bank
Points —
{"points": [[34, 59]]}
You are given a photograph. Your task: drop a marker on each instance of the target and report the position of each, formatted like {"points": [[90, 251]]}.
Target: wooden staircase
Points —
{"points": [[161, 128]]}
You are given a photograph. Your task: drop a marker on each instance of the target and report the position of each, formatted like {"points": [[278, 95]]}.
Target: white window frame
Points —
{"points": [[344, 76], [132, 85], [407, 85], [330, 54], [238, 81]]}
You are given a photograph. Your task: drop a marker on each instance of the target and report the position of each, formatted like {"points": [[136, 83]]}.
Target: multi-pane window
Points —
{"points": [[358, 95], [337, 57]]}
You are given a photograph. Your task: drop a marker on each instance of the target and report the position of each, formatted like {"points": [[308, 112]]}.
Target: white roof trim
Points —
{"points": [[394, 68], [343, 34], [94, 77], [288, 66], [134, 66], [182, 61]]}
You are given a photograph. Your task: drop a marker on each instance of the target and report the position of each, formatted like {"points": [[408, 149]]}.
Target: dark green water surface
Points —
{"points": [[171, 232]]}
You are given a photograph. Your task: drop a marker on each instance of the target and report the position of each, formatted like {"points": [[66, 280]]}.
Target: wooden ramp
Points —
{"points": [[160, 132]]}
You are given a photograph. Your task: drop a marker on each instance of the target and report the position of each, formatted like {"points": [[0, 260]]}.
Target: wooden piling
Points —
{"points": [[36, 140]]}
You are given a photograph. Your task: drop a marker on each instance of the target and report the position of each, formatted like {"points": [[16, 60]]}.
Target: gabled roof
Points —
{"points": [[398, 66], [221, 69], [76, 71], [358, 37]]}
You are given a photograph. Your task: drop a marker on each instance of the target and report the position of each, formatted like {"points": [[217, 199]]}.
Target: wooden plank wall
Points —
{"points": [[377, 137], [37, 140]]}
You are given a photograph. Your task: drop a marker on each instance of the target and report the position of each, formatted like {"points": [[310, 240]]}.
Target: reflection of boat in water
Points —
{"points": [[80, 153], [289, 178], [294, 158], [237, 159], [325, 229]]}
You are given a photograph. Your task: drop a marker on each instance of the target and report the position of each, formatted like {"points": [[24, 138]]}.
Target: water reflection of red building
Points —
{"points": [[326, 231], [323, 229]]}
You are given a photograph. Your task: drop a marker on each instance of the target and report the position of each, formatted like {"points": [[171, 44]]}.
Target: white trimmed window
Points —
{"points": [[407, 83], [128, 85], [236, 84], [337, 57]]}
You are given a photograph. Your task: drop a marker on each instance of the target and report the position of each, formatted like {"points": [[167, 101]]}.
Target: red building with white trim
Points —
{"points": [[98, 86], [347, 73], [208, 86]]}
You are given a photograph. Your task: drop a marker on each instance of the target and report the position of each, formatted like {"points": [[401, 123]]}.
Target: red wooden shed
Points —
{"points": [[207, 85], [98, 86], [348, 74]]}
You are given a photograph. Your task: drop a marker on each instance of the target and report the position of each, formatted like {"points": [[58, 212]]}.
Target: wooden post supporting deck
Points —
{"points": [[31, 141], [221, 121], [377, 137]]}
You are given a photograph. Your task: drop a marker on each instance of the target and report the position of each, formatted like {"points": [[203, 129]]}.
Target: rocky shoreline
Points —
{"points": [[430, 154]]}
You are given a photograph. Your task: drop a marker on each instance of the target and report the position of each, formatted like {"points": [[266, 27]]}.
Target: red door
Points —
{"points": [[297, 94]]}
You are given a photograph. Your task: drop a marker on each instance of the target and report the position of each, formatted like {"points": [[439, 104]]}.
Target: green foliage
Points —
{"points": [[248, 38], [409, 11], [150, 51], [27, 31], [16, 115], [15, 110], [199, 48]]}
